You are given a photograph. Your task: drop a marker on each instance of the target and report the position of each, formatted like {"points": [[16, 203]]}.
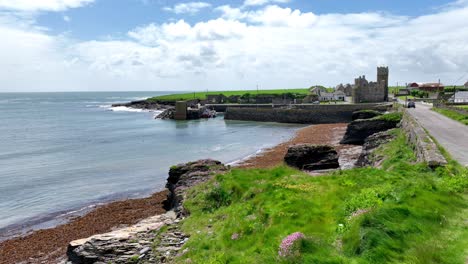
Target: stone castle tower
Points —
{"points": [[382, 76], [371, 92]]}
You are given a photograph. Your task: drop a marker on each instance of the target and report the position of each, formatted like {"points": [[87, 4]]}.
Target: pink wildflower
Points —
{"points": [[235, 236], [287, 245]]}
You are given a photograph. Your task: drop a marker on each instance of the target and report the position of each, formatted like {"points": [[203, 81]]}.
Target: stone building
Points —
{"points": [[346, 89], [371, 92], [382, 76], [323, 96], [466, 85]]}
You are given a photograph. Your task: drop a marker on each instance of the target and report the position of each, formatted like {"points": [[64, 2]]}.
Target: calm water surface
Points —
{"points": [[60, 151]]}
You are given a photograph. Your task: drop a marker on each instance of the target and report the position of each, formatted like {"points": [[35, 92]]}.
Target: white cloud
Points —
{"points": [[66, 18], [263, 2], [231, 13], [188, 8], [42, 5], [286, 17], [273, 46]]}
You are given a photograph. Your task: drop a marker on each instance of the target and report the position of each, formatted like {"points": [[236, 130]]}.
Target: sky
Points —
{"points": [[162, 45]]}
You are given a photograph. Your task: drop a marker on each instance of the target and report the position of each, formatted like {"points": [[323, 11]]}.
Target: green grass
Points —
{"points": [[415, 214], [462, 106], [202, 95], [406, 97], [395, 117], [453, 115]]}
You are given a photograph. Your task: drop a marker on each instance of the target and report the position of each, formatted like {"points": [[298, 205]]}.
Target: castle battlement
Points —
{"points": [[371, 92]]}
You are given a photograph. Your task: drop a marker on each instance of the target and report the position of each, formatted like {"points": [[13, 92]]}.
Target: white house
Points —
{"points": [[459, 97]]}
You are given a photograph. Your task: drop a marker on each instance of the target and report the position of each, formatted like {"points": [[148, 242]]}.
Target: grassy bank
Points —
{"points": [[453, 115], [202, 95], [401, 213]]}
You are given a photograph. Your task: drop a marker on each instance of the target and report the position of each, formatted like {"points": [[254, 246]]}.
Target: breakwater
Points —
{"points": [[301, 114]]}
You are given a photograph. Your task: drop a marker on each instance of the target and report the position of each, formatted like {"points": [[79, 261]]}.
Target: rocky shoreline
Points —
{"points": [[50, 245], [147, 105]]}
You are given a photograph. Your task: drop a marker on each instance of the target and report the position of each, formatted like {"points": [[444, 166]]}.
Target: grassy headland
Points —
{"points": [[403, 212], [202, 95], [453, 115]]}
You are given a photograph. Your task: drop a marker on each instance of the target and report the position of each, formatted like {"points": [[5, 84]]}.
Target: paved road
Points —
{"points": [[452, 135]]}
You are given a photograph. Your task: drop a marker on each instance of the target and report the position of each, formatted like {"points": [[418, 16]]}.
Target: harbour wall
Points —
{"points": [[301, 114]]}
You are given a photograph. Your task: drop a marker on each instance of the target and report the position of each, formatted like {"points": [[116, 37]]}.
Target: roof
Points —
{"points": [[431, 85], [460, 95]]}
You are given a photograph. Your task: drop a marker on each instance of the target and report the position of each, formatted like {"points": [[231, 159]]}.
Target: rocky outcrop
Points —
{"points": [[147, 105], [365, 114], [367, 156], [359, 130], [147, 242], [312, 157], [192, 114], [125, 245], [166, 114], [184, 176]]}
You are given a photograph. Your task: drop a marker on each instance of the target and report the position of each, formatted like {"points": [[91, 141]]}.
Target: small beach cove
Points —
{"points": [[49, 245]]}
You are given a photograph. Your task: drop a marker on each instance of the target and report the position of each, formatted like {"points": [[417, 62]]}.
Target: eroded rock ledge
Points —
{"points": [[360, 129], [367, 156], [143, 242], [312, 157]]}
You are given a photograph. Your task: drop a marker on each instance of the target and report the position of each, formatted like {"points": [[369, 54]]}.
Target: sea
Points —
{"points": [[62, 153]]}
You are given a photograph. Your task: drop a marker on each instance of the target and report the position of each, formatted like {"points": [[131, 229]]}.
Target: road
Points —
{"points": [[450, 134]]}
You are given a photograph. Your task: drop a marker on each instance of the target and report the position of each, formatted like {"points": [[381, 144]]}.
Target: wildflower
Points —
{"points": [[235, 236], [287, 245]]}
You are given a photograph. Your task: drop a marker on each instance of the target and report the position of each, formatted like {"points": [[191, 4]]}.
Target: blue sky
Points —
{"points": [[105, 18], [95, 45]]}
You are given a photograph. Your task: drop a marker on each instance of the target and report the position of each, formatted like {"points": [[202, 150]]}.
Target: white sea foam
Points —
{"points": [[125, 109], [129, 109]]}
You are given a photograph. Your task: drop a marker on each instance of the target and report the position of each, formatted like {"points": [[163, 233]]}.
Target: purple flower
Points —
{"points": [[235, 236], [287, 245]]}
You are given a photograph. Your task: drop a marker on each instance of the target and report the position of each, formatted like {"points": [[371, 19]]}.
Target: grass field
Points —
{"points": [[462, 106], [453, 115], [202, 95], [404, 97], [402, 213]]}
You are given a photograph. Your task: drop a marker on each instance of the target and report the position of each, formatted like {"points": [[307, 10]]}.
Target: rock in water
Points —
{"points": [[365, 114], [359, 130], [312, 157]]}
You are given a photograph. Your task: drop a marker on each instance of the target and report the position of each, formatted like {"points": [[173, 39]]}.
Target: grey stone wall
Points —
{"points": [[425, 148], [301, 114]]}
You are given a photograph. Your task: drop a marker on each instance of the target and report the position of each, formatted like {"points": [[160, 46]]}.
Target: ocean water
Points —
{"points": [[64, 151]]}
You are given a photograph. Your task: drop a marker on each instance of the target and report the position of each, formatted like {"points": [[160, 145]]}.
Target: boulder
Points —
{"points": [[365, 114], [312, 157], [367, 158], [359, 130], [166, 114], [184, 176], [121, 245]]}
